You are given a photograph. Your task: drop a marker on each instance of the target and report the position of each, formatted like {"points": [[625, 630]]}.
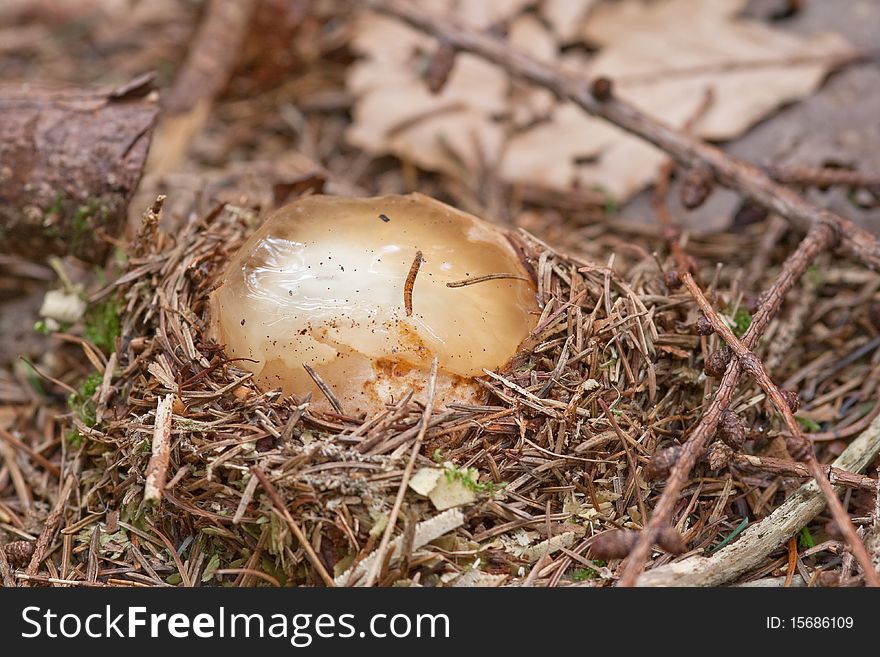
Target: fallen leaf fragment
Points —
{"points": [[445, 492], [664, 56]]}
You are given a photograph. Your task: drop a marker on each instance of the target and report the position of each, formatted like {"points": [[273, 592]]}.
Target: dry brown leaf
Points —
{"points": [[663, 55], [452, 131]]}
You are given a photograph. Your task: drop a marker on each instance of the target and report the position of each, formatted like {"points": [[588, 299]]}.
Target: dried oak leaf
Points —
{"points": [[454, 130], [663, 56]]}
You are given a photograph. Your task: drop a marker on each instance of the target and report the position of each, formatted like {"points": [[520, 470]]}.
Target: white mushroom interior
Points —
{"points": [[322, 283]]}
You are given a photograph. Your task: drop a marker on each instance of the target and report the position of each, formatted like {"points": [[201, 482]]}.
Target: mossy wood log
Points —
{"points": [[70, 160]]}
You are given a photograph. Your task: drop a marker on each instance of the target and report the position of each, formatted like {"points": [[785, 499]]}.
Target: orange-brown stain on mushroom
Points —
{"points": [[322, 282]]}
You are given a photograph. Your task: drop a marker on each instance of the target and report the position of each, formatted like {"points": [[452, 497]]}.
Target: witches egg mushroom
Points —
{"points": [[365, 292]]}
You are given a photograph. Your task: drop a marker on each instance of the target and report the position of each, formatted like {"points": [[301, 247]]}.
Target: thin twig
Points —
{"points": [[407, 474], [762, 538], [106, 388], [671, 232], [35, 455], [53, 522], [822, 176], [281, 508], [773, 465], [246, 496], [826, 227], [249, 571], [537, 568], [27, 579], [425, 532], [185, 579], [488, 277], [629, 457], [753, 365], [817, 240], [157, 468], [19, 483], [43, 375], [333, 399]]}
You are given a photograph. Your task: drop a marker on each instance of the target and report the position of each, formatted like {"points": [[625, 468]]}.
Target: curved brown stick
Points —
{"points": [[822, 176], [836, 476], [762, 538], [817, 240], [752, 364]]}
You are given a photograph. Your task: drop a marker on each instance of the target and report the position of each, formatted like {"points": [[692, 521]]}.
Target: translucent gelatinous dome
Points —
{"points": [[322, 282]]}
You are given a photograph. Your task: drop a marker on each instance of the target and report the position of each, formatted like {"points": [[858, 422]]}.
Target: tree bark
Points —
{"points": [[70, 160]]}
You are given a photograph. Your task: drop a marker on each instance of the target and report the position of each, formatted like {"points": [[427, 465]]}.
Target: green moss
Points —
{"points": [[102, 324], [120, 258], [165, 69], [57, 207], [611, 204], [83, 223], [80, 221], [814, 274], [74, 438], [469, 477], [806, 539], [81, 403], [808, 424], [742, 320], [41, 327], [584, 574], [52, 215]]}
